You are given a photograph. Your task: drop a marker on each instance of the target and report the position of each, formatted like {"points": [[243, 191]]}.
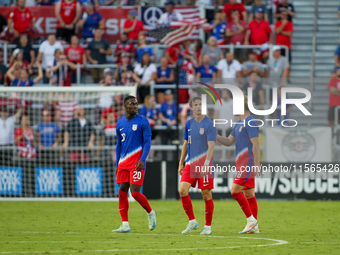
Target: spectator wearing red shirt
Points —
{"points": [[24, 139], [259, 33], [132, 26], [75, 54], [124, 46], [233, 4], [334, 97], [68, 13], [20, 20], [284, 29], [172, 54]]}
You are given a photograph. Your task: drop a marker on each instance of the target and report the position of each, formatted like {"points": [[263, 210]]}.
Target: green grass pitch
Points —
{"points": [[287, 227]]}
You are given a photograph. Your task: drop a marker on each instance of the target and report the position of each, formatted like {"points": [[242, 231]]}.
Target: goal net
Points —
{"points": [[59, 142]]}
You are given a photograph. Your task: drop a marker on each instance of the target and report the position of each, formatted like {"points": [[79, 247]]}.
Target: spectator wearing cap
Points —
{"points": [[256, 86], [144, 75], [47, 134], [211, 49], [284, 30], [206, 72], [96, 53], [23, 80], [232, 5], [61, 73], [334, 97], [258, 4], [149, 111], [143, 48], [252, 65], [168, 115], [124, 46], [164, 75], [76, 55], [285, 6], [46, 54], [18, 59], [67, 13], [24, 139], [229, 69], [27, 50], [7, 131], [21, 20], [277, 68], [170, 15], [259, 32], [90, 21], [79, 133], [124, 71], [132, 26], [218, 27]]}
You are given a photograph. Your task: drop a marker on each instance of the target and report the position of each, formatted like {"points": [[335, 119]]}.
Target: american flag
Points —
{"points": [[177, 31]]}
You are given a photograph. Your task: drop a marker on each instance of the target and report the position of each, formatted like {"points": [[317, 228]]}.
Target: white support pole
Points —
{"points": [[163, 183]]}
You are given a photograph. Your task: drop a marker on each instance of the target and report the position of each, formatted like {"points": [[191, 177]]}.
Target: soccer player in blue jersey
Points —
{"points": [[199, 145], [246, 137], [133, 146]]}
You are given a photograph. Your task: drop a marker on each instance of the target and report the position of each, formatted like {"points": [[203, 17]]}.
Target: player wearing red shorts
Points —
{"points": [[133, 146], [246, 137], [199, 145]]}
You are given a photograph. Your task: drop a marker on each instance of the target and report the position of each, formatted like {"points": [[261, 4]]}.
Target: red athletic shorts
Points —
{"points": [[204, 182], [131, 176], [245, 179]]}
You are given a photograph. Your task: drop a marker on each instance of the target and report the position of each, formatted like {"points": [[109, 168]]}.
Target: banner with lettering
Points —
{"points": [[49, 180], [10, 180], [89, 180]]}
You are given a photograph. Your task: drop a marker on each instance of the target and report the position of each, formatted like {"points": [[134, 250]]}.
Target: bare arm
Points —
{"points": [[271, 35], [167, 55], [57, 13], [101, 24], [162, 118], [73, 66], [40, 74], [78, 13], [66, 139], [32, 54], [245, 16], [285, 73], [339, 14], [336, 59], [172, 76], [39, 57], [265, 17], [334, 91], [261, 95], [219, 74], [10, 74], [184, 153], [226, 141], [246, 38]]}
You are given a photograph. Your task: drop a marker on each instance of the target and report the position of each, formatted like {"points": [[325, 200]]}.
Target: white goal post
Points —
{"points": [[58, 143]]}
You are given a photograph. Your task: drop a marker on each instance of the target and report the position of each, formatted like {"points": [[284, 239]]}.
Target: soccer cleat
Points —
{"points": [[122, 229], [250, 225], [206, 231], [255, 230], [191, 226], [152, 219]]}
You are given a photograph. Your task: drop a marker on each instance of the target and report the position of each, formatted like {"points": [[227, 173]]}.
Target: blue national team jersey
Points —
{"points": [[164, 73], [198, 135], [218, 30], [244, 147], [131, 135], [206, 73], [91, 23], [149, 113]]}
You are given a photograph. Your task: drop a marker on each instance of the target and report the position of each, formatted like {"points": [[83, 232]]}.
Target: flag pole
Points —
{"points": [[177, 124]]}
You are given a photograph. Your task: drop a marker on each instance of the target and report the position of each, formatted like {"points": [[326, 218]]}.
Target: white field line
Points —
{"points": [[276, 242]]}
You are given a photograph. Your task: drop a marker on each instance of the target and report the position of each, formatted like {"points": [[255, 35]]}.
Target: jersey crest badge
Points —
{"points": [[240, 129], [201, 131], [134, 127]]}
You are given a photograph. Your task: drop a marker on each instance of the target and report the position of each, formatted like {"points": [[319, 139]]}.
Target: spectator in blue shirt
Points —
{"points": [[48, 133], [149, 111], [218, 27], [89, 21], [164, 75], [23, 80], [168, 116], [258, 4], [206, 72], [46, 2], [143, 48], [337, 56]]}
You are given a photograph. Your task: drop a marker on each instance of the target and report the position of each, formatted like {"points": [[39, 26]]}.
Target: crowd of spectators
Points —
{"points": [[136, 62]]}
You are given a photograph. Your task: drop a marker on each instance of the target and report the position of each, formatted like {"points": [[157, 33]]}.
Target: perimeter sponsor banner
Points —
{"points": [[49, 180], [89, 180], [291, 145], [46, 22], [11, 180], [293, 184]]}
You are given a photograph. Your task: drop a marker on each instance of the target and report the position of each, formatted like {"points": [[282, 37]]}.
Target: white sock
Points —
{"points": [[125, 223], [150, 212], [207, 226], [192, 221], [251, 218]]}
